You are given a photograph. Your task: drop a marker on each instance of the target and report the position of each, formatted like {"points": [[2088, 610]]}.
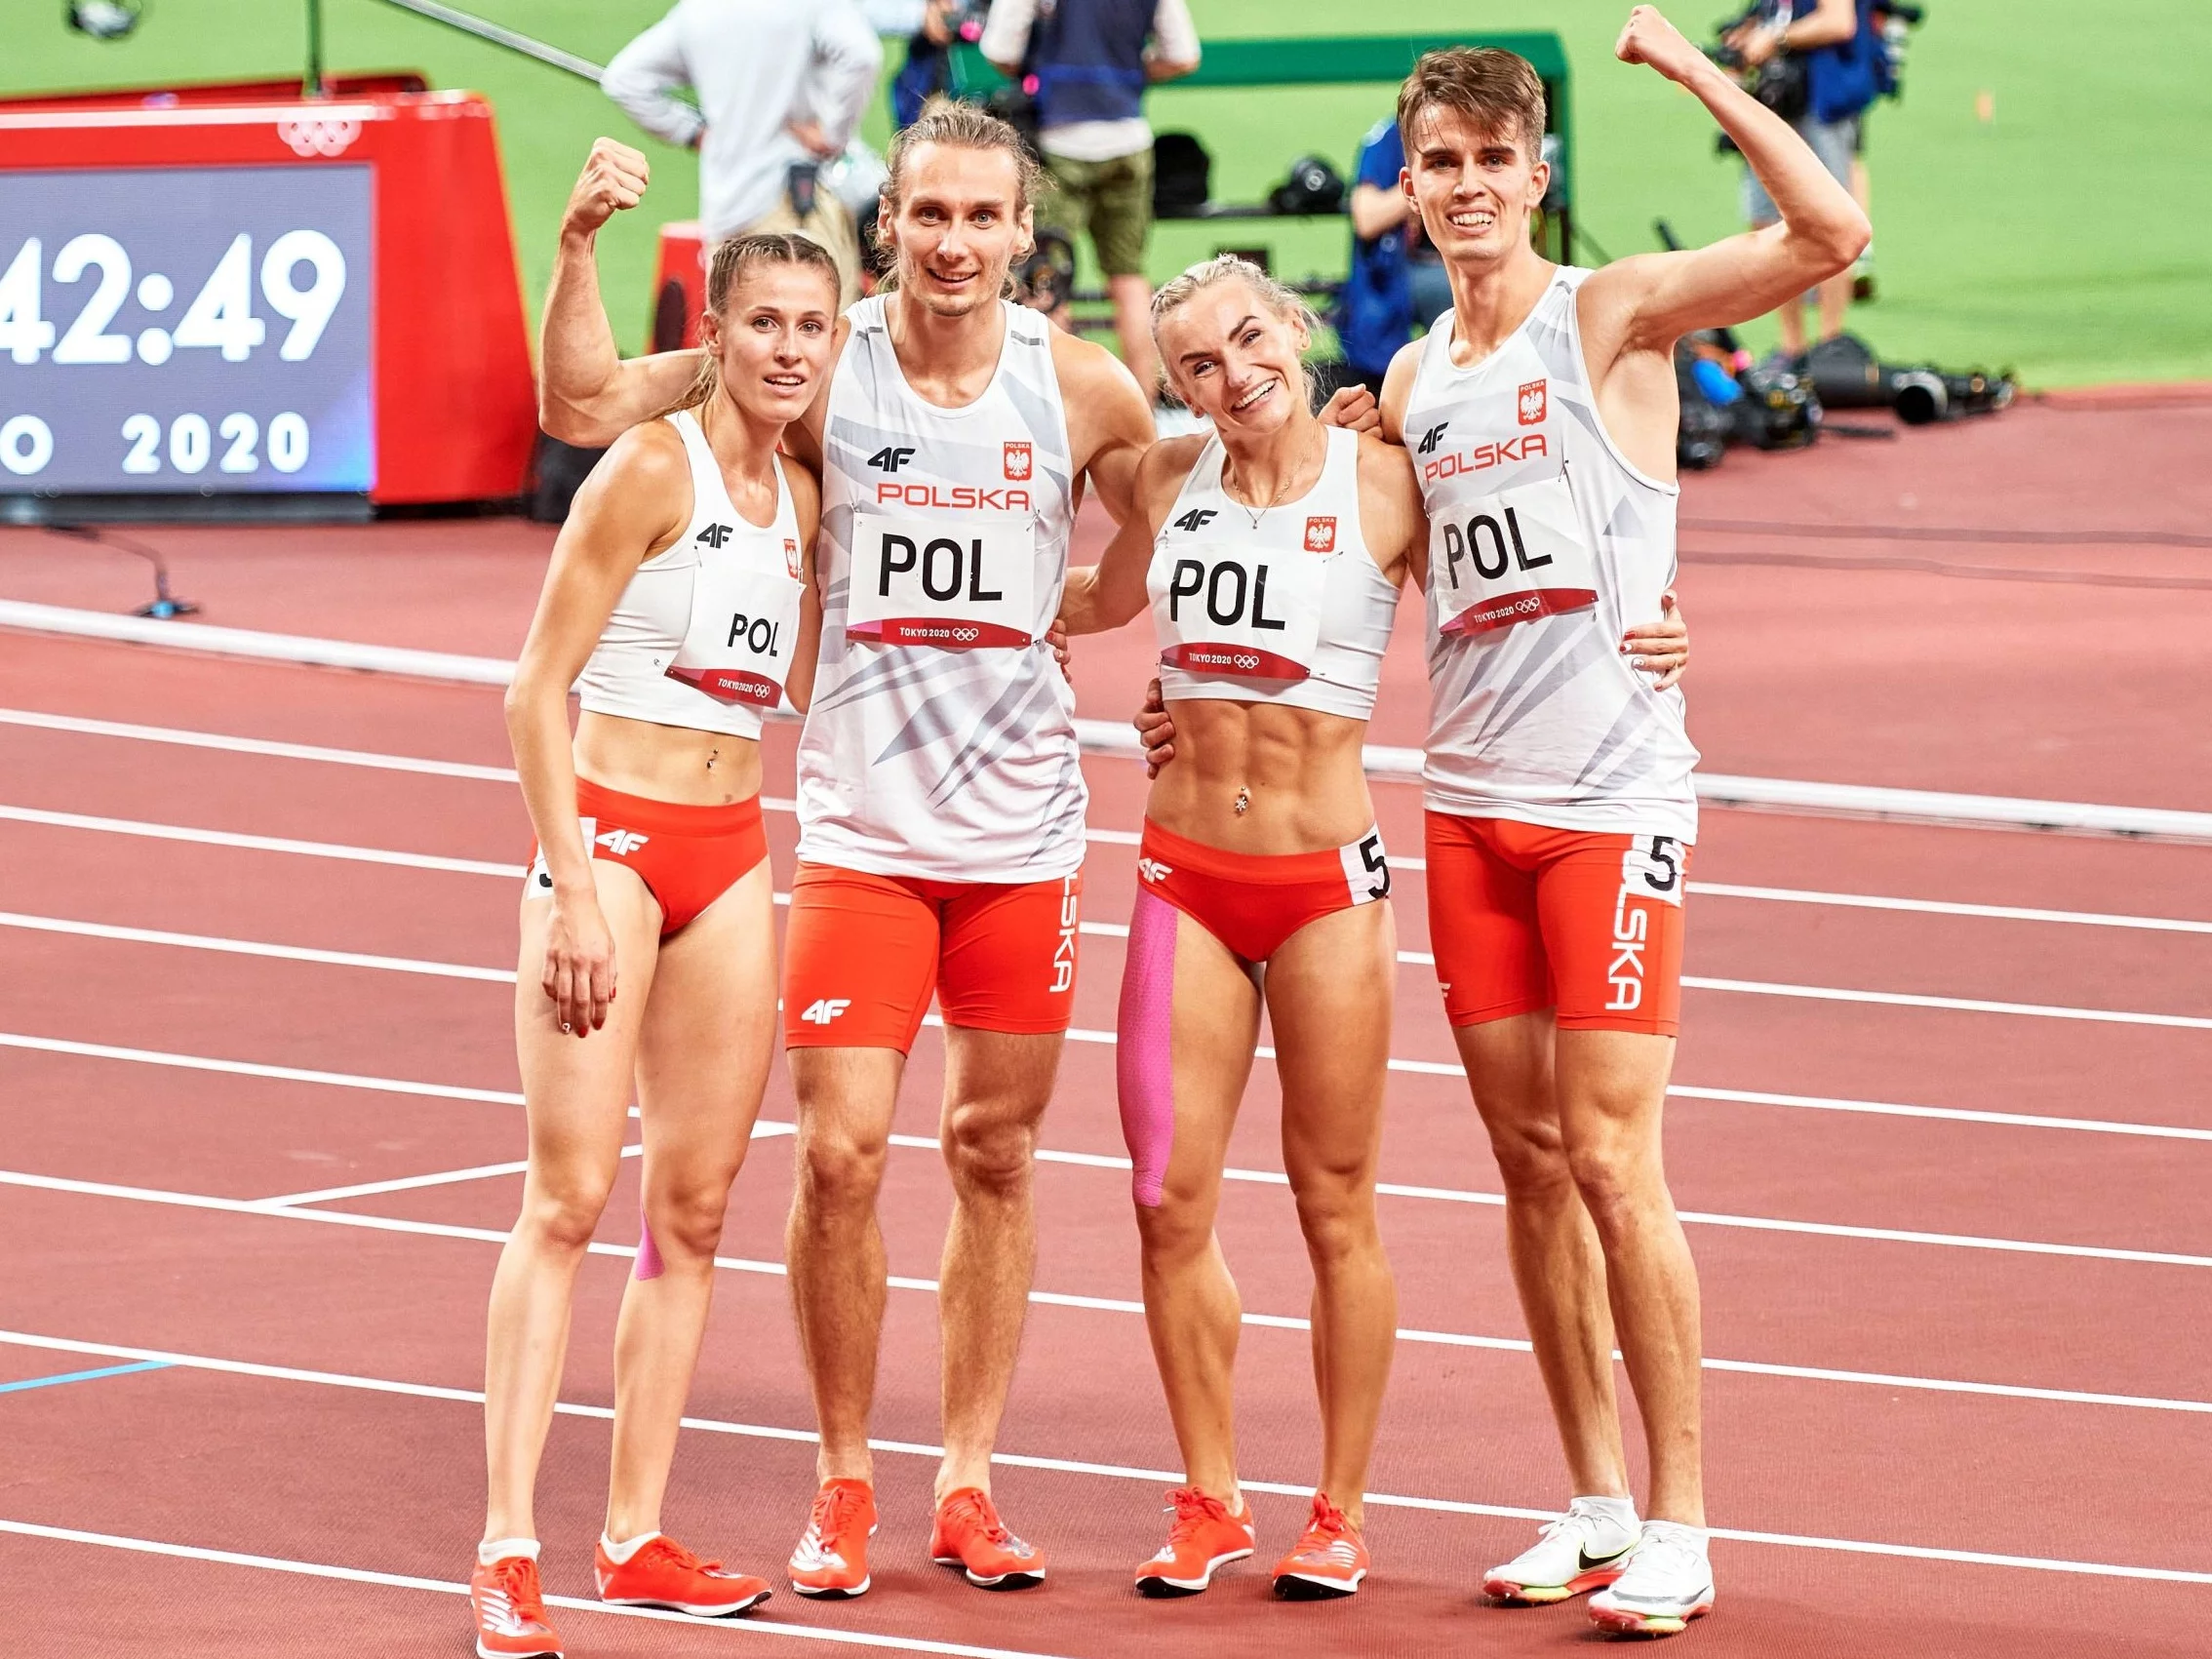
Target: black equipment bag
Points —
{"points": [[1182, 176], [1313, 187]]}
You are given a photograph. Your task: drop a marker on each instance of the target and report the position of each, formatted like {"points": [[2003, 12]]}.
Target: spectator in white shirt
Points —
{"points": [[1093, 60], [781, 83]]}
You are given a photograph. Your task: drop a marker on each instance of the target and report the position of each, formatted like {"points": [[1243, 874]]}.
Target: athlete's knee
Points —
{"points": [[561, 1211], [1531, 1156], [989, 1149], [1176, 1230], [1619, 1181], [687, 1220], [838, 1169], [1336, 1214]]}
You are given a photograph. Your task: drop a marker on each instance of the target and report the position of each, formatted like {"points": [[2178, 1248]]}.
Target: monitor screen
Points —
{"points": [[185, 329]]}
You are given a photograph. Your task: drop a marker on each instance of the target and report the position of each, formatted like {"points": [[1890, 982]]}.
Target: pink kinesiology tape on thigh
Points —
{"points": [[648, 1263], [1143, 1061]]}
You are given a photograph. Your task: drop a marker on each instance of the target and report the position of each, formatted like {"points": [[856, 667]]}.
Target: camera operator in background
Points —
{"points": [[1092, 60], [781, 85], [1812, 63], [1397, 278]]}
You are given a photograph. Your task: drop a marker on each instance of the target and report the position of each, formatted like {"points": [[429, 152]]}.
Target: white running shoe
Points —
{"points": [[1669, 1582], [1585, 1549]]}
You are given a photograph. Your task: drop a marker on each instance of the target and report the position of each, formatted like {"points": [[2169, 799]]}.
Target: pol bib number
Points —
{"points": [[958, 584], [744, 622], [1239, 611], [1511, 558]]}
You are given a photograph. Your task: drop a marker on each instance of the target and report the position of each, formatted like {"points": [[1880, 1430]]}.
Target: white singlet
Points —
{"points": [[702, 635], [1545, 546], [941, 740], [1289, 607]]}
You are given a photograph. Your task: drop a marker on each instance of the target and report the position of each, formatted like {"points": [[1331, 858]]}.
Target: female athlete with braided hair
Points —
{"points": [[680, 603]]}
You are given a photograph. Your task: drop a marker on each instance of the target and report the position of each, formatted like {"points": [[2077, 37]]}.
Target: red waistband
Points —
{"points": [[664, 817], [1227, 865]]}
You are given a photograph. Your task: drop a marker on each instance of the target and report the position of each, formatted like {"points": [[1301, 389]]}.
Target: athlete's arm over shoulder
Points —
{"points": [[1397, 387], [1105, 595], [1392, 518], [1109, 419], [1647, 302], [807, 507]]}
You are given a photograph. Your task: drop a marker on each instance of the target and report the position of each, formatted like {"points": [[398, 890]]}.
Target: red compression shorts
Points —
{"points": [[862, 953], [687, 856], [1254, 902], [1523, 918]]}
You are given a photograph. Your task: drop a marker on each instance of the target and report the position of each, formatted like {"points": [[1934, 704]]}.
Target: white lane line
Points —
{"points": [[1113, 1470], [255, 1068], [505, 975], [752, 1623], [1107, 837], [1946, 907], [260, 843], [1100, 1304], [767, 1128], [1963, 1005], [255, 947], [510, 1097]]}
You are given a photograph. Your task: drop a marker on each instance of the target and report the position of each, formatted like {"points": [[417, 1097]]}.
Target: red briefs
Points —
{"points": [[1252, 902], [1523, 918], [687, 856], [862, 953]]}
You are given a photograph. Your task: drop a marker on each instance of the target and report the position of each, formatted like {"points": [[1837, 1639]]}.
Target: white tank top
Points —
{"points": [[941, 740], [702, 635], [1286, 607], [1545, 546]]}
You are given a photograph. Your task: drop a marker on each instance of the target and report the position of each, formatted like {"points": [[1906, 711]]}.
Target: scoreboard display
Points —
{"points": [[230, 292], [164, 330]]}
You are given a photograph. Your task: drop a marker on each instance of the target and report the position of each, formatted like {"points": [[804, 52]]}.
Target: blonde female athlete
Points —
{"points": [[681, 602], [1270, 553]]}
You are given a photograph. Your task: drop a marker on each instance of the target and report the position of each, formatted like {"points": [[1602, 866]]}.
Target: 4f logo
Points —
{"points": [[715, 535], [1532, 403], [1321, 535], [1198, 518], [890, 460], [1431, 439], [622, 843], [823, 1010], [1152, 870], [1017, 463]]}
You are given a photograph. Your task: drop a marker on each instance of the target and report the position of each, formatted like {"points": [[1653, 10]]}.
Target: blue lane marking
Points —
{"points": [[84, 1376]]}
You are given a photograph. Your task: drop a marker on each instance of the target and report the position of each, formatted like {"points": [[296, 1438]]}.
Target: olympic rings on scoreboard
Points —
{"points": [[318, 137]]}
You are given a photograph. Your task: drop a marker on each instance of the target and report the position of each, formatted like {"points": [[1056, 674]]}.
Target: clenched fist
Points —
{"points": [[614, 177], [1647, 37]]}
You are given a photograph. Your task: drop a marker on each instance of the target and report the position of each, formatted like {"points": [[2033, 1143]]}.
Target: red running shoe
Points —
{"points": [[1331, 1559], [1203, 1538], [969, 1535], [665, 1575], [510, 1611], [831, 1561]]}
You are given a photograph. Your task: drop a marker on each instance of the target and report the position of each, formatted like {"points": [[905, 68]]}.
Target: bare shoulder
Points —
{"points": [[1165, 465], [1084, 366], [1386, 472], [647, 457], [805, 487], [1397, 387], [1612, 293]]}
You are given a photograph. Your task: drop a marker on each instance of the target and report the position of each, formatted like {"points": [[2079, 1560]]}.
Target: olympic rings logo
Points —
{"points": [[967, 636], [1244, 661], [318, 137]]}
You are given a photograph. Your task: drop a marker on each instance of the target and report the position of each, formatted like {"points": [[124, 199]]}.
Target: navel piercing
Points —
{"points": [[1243, 801]]}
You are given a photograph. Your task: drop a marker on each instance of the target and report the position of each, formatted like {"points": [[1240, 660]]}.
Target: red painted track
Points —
{"points": [[2018, 1257]]}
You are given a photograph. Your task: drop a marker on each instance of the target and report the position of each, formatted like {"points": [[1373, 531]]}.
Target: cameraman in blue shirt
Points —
{"points": [[1397, 278]]}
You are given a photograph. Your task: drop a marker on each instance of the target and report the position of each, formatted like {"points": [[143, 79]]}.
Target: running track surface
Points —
{"points": [[1956, 1347]]}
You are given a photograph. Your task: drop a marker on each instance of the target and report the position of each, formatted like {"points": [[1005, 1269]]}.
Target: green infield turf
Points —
{"points": [[2055, 235]]}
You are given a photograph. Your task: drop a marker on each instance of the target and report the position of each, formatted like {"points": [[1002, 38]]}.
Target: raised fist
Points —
{"points": [[614, 177], [1647, 37]]}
